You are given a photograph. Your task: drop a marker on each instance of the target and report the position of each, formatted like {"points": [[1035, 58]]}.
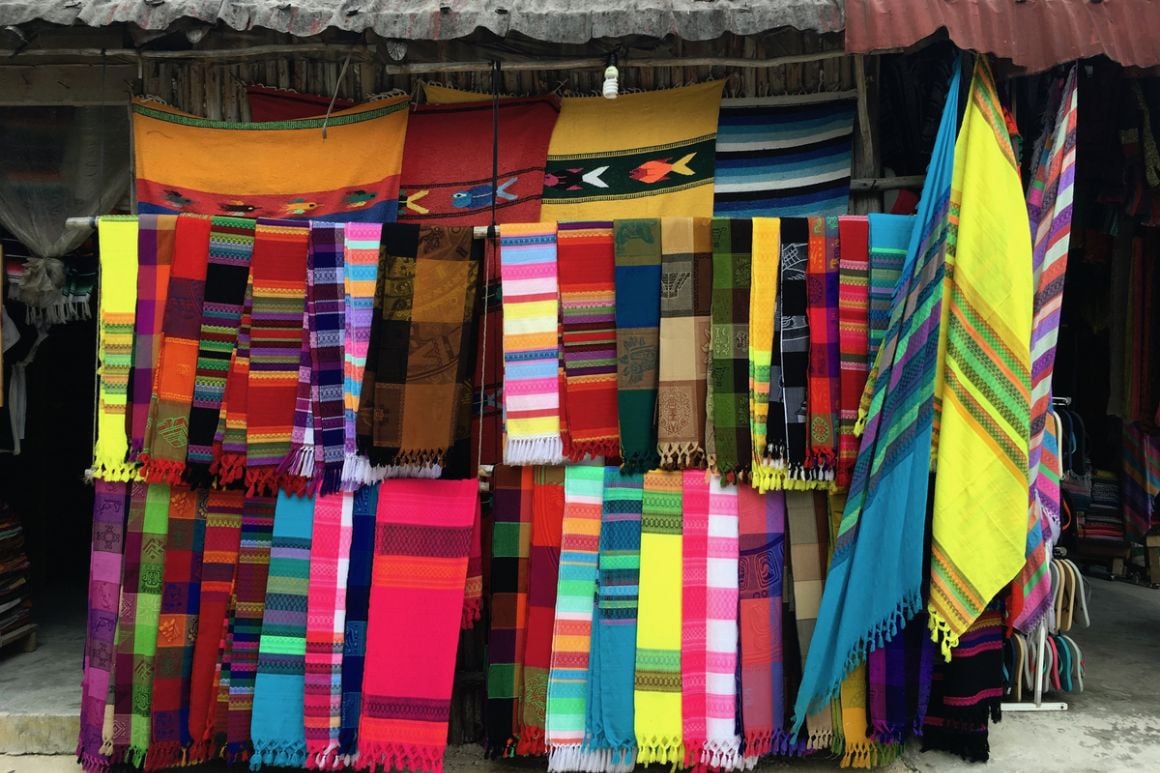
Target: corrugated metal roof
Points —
{"points": [[558, 21], [1034, 34]]}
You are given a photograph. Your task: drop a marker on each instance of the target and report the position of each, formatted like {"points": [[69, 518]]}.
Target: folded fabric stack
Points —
{"points": [[15, 605]]}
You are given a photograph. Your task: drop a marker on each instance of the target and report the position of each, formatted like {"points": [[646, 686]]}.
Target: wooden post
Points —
{"points": [[865, 161]]}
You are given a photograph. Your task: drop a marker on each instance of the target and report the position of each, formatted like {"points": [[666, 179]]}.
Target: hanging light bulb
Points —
{"points": [[611, 78]]}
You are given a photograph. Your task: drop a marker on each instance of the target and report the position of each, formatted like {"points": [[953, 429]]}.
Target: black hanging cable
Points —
{"points": [[489, 252], [495, 83]]}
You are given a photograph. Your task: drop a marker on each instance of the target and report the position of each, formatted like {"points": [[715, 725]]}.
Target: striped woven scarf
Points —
{"points": [[544, 571], [109, 504], [657, 694], [296, 471], [277, 730], [531, 345], [588, 332], [223, 531], [729, 366], [794, 336], [822, 309], [572, 634], [889, 239], [360, 270], [694, 653], [979, 528], [358, 597], [327, 326], [231, 242], [119, 705], [853, 336], [899, 683], [278, 268], [119, 237], [722, 744], [167, 434], [155, 237], [177, 629], [638, 292], [330, 543], [762, 307], [613, 665], [229, 442], [686, 302], [249, 602], [510, 549]]}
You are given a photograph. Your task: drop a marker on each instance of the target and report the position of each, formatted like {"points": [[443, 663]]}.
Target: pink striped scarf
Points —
{"points": [[361, 272], [326, 625], [722, 744], [694, 610]]}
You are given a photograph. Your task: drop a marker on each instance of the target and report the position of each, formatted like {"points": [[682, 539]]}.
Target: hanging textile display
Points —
{"points": [[686, 305], [587, 278], [531, 345], [155, 238], [329, 175], [889, 239], [853, 337], [360, 271], [794, 336], [268, 103], [421, 546], [638, 279], [327, 290], [979, 530], [882, 529], [732, 452], [694, 652], [762, 308], [779, 161], [358, 593], [722, 744], [296, 471], [447, 161], [1140, 481], [229, 440], [822, 309], [420, 352], [119, 238], [641, 155], [806, 524], [899, 683]]}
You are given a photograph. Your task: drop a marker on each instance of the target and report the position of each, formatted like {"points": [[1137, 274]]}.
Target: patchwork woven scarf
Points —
{"points": [[326, 626], [888, 491], [223, 531], [109, 505], [853, 336], [421, 543], [231, 243], [899, 683], [510, 550], [588, 330], [889, 238], [822, 309], [426, 293], [761, 567], [807, 524], [610, 724], [686, 304], [694, 652], [155, 236], [722, 744], [979, 530], [358, 597], [249, 602], [119, 237], [638, 292], [296, 470], [327, 329], [278, 268], [277, 729], [544, 571], [360, 270], [762, 307], [176, 629], [229, 443], [119, 705], [531, 345], [794, 336], [729, 364], [487, 441], [572, 634], [167, 433], [657, 693]]}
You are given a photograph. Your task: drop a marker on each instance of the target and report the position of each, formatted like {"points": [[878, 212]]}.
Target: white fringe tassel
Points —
{"points": [[548, 449]]}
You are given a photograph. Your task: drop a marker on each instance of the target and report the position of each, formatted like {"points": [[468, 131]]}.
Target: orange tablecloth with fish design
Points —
{"points": [[282, 169], [447, 163]]}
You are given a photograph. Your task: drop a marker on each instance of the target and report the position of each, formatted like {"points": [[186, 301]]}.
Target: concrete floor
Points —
{"points": [[1112, 727]]}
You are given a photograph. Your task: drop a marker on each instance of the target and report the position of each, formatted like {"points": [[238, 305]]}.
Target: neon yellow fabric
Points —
{"points": [[762, 305]]}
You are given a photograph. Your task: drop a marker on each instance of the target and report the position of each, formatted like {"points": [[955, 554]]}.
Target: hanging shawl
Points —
{"points": [[154, 259], [889, 238], [229, 442], [358, 592], [231, 243], [119, 704], [109, 504], [888, 492], [296, 472], [360, 270], [728, 409], [588, 325], [807, 524], [115, 347], [762, 308], [638, 292], [722, 744], [899, 688], [853, 336], [657, 693], [794, 337], [694, 653], [979, 530], [686, 300], [327, 327], [544, 568], [822, 310], [1049, 209]]}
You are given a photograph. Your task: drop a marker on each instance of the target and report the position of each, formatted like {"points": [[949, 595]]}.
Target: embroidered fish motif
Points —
{"points": [[359, 198], [299, 207], [480, 195], [237, 208], [658, 169], [574, 179]]}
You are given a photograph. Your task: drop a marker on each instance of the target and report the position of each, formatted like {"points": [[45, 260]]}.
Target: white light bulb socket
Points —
{"points": [[611, 82]]}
